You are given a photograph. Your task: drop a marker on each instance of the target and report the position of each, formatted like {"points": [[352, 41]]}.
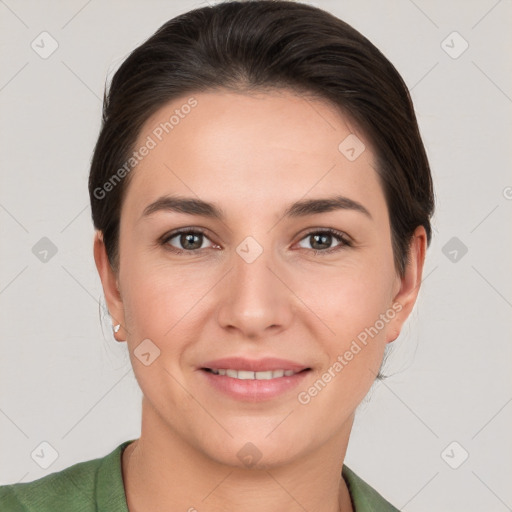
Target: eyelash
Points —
{"points": [[341, 237]]}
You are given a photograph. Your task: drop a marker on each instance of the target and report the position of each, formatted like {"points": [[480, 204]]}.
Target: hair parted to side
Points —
{"points": [[254, 46]]}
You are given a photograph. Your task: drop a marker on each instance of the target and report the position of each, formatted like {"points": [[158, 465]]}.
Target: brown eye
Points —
{"points": [[191, 241], [185, 240], [321, 241]]}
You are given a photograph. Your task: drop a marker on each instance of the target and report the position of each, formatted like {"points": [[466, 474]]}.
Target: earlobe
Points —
{"points": [[410, 282], [110, 287]]}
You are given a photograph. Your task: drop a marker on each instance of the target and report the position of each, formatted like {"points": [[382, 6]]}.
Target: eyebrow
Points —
{"points": [[302, 208]]}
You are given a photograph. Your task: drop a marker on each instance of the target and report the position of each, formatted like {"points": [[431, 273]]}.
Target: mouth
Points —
{"points": [[251, 375], [253, 380]]}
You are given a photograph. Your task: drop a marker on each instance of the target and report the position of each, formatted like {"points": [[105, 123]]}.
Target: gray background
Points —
{"points": [[65, 381]]}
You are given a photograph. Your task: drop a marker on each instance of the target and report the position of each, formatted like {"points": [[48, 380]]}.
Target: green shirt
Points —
{"points": [[97, 486]]}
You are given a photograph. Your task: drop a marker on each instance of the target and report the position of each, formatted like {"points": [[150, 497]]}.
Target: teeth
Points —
{"points": [[248, 375]]}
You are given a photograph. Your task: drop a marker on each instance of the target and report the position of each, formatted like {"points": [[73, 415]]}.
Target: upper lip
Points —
{"points": [[254, 365]]}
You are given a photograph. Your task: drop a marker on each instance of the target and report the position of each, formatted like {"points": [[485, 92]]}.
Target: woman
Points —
{"points": [[262, 200]]}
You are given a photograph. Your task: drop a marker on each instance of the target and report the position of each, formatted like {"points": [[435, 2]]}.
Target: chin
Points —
{"points": [[254, 452]]}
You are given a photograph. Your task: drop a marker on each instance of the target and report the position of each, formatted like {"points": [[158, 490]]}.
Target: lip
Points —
{"points": [[253, 390], [254, 365]]}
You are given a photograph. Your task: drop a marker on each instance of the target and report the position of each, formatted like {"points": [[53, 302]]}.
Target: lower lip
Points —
{"points": [[253, 390]]}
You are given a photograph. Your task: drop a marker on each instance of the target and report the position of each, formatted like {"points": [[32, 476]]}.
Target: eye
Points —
{"points": [[191, 241], [321, 240], [185, 240]]}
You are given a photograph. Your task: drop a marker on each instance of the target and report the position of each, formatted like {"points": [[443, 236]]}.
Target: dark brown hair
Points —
{"points": [[253, 46]]}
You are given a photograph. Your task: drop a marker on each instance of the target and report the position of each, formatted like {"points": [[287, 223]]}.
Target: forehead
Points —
{"points": [[240, 149]]}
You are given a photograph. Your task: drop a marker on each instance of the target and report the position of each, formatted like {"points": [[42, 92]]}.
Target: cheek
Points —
{"points": [[347, 298], [159, 306], [356, 309], [355, 303], [352, 297], [162, 299], [157, 298]]}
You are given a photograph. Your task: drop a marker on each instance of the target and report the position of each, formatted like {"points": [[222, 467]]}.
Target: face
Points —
{"points": [[313, 285]]}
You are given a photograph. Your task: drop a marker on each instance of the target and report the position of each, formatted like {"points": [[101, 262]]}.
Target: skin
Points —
{"points": [[252, 155]]}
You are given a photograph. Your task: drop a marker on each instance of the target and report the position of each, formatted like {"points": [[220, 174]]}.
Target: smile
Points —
{"points": [[248, 375], [253, 386]]}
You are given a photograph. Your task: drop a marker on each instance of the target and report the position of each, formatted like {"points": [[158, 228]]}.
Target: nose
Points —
{"points": [[255, 299]]}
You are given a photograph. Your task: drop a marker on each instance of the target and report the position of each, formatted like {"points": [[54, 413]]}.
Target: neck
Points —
{"points": [[161, 470]]}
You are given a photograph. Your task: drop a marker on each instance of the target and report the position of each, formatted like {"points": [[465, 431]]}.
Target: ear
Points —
{"points": [[408, 285], [109, 282]]}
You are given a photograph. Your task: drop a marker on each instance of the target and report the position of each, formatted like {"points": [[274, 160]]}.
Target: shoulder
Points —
{"points": [[364, 497], [78, 488]]}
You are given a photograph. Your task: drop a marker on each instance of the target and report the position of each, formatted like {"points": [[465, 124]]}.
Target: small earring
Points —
{"points": [[116, 327]]}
